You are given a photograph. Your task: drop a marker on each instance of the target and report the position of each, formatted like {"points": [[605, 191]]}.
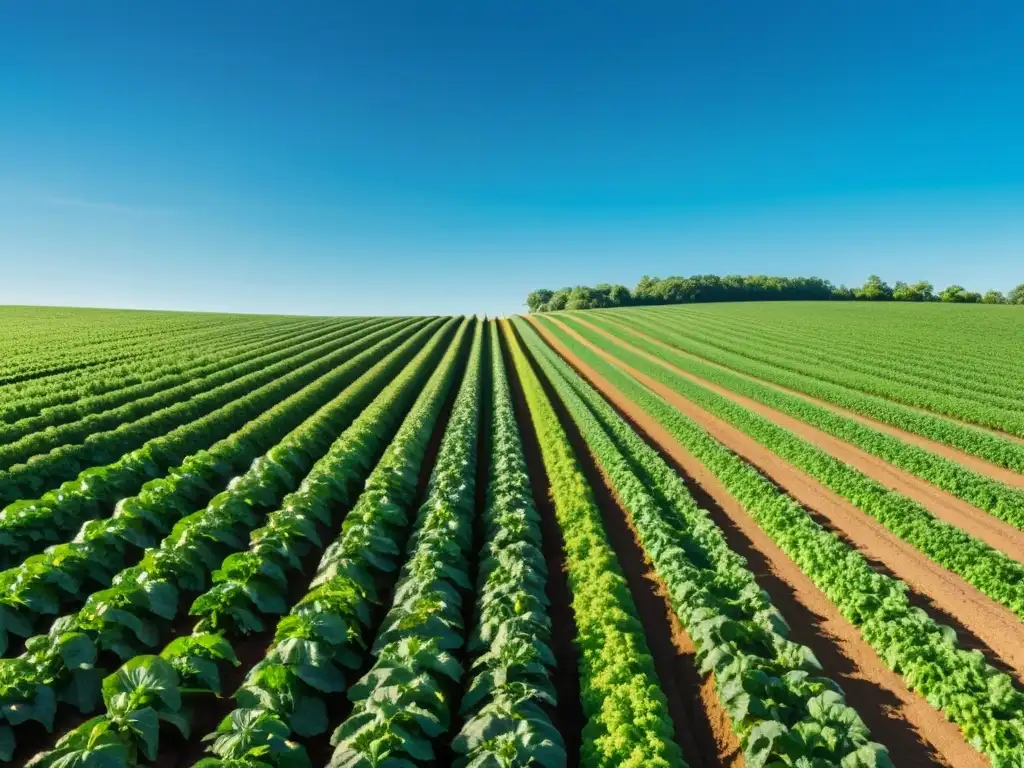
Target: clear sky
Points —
{"points": [[412, 157]]}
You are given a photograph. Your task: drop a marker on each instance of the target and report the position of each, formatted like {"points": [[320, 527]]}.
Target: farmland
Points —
{"points": [[736, 534]]}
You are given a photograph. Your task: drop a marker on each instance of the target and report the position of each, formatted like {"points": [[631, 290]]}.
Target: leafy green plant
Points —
{"points": [[627, 715], [983, 702], [138, 697], [977, 442], [992, 572], [504, 720], [322, 640], [27, 525], [136, 610], [404, 703], [765, 683]]}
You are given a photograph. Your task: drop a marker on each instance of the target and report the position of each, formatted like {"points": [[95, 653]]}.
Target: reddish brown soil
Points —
{"points": [[973, 463], [702, 728], [980, 621], [915, 733], [568, 715], [944, 505]]}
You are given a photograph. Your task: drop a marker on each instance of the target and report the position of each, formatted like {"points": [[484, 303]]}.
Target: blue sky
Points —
{"points": [[410, 157]]}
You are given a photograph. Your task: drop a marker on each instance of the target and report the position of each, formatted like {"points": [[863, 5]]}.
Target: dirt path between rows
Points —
{"points": [[971, 462], [702, 727], [921, 409], [980, 621], [567, 715], [897, 717], [945, 506]]}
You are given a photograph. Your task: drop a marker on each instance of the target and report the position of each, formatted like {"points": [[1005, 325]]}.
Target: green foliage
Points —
{"points": [[959, 295], [842, 378], [106, 474], [921, 291], [991, 571], [995, 497], [627, 717], [503, 721], [874, 289], [322, 640], [730, 288], [981, 701], [404, 702], [132, 615], [765, 682]]}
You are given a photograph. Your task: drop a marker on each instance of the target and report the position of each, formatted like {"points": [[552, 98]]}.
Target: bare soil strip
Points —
{"points": [[568, 716], [980, 621], [973, 463], [702, 727], [947, 507], [915, 732], [921, 409]]}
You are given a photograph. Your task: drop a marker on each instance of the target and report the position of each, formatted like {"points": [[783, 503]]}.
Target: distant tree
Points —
{"points": [[613, 295], [619, 296], [1016, 296], [957, 294], [558, 300], [922, 291], [874, 289], [537, 300], [644, 293], [582, 297], [676, 289], [993, 297]]}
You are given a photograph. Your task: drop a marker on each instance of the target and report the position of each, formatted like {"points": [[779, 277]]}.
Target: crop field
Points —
{"points": [[747, 534]]}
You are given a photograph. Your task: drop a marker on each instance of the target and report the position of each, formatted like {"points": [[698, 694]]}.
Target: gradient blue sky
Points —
{"points": [[412, 157]]}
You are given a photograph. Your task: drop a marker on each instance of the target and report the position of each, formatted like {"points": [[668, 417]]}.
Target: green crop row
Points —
{"points": [[925, 335], [1000, 500], [41, 472], [56, 394], [324, 634], [992, 572], [85, 416], [407, 699], [58, 397], [998, 450], [143, 601], [795, 353], [963, 378], [627, 715], [28, 526], [64, 575], [981, 374], [980, 700], [94, 376], [188, 666], [783, 708], [55, 356], [503, 708]]}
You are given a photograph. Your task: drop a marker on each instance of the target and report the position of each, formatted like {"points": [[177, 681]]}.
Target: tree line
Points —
{"points": [[712, 288]]}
